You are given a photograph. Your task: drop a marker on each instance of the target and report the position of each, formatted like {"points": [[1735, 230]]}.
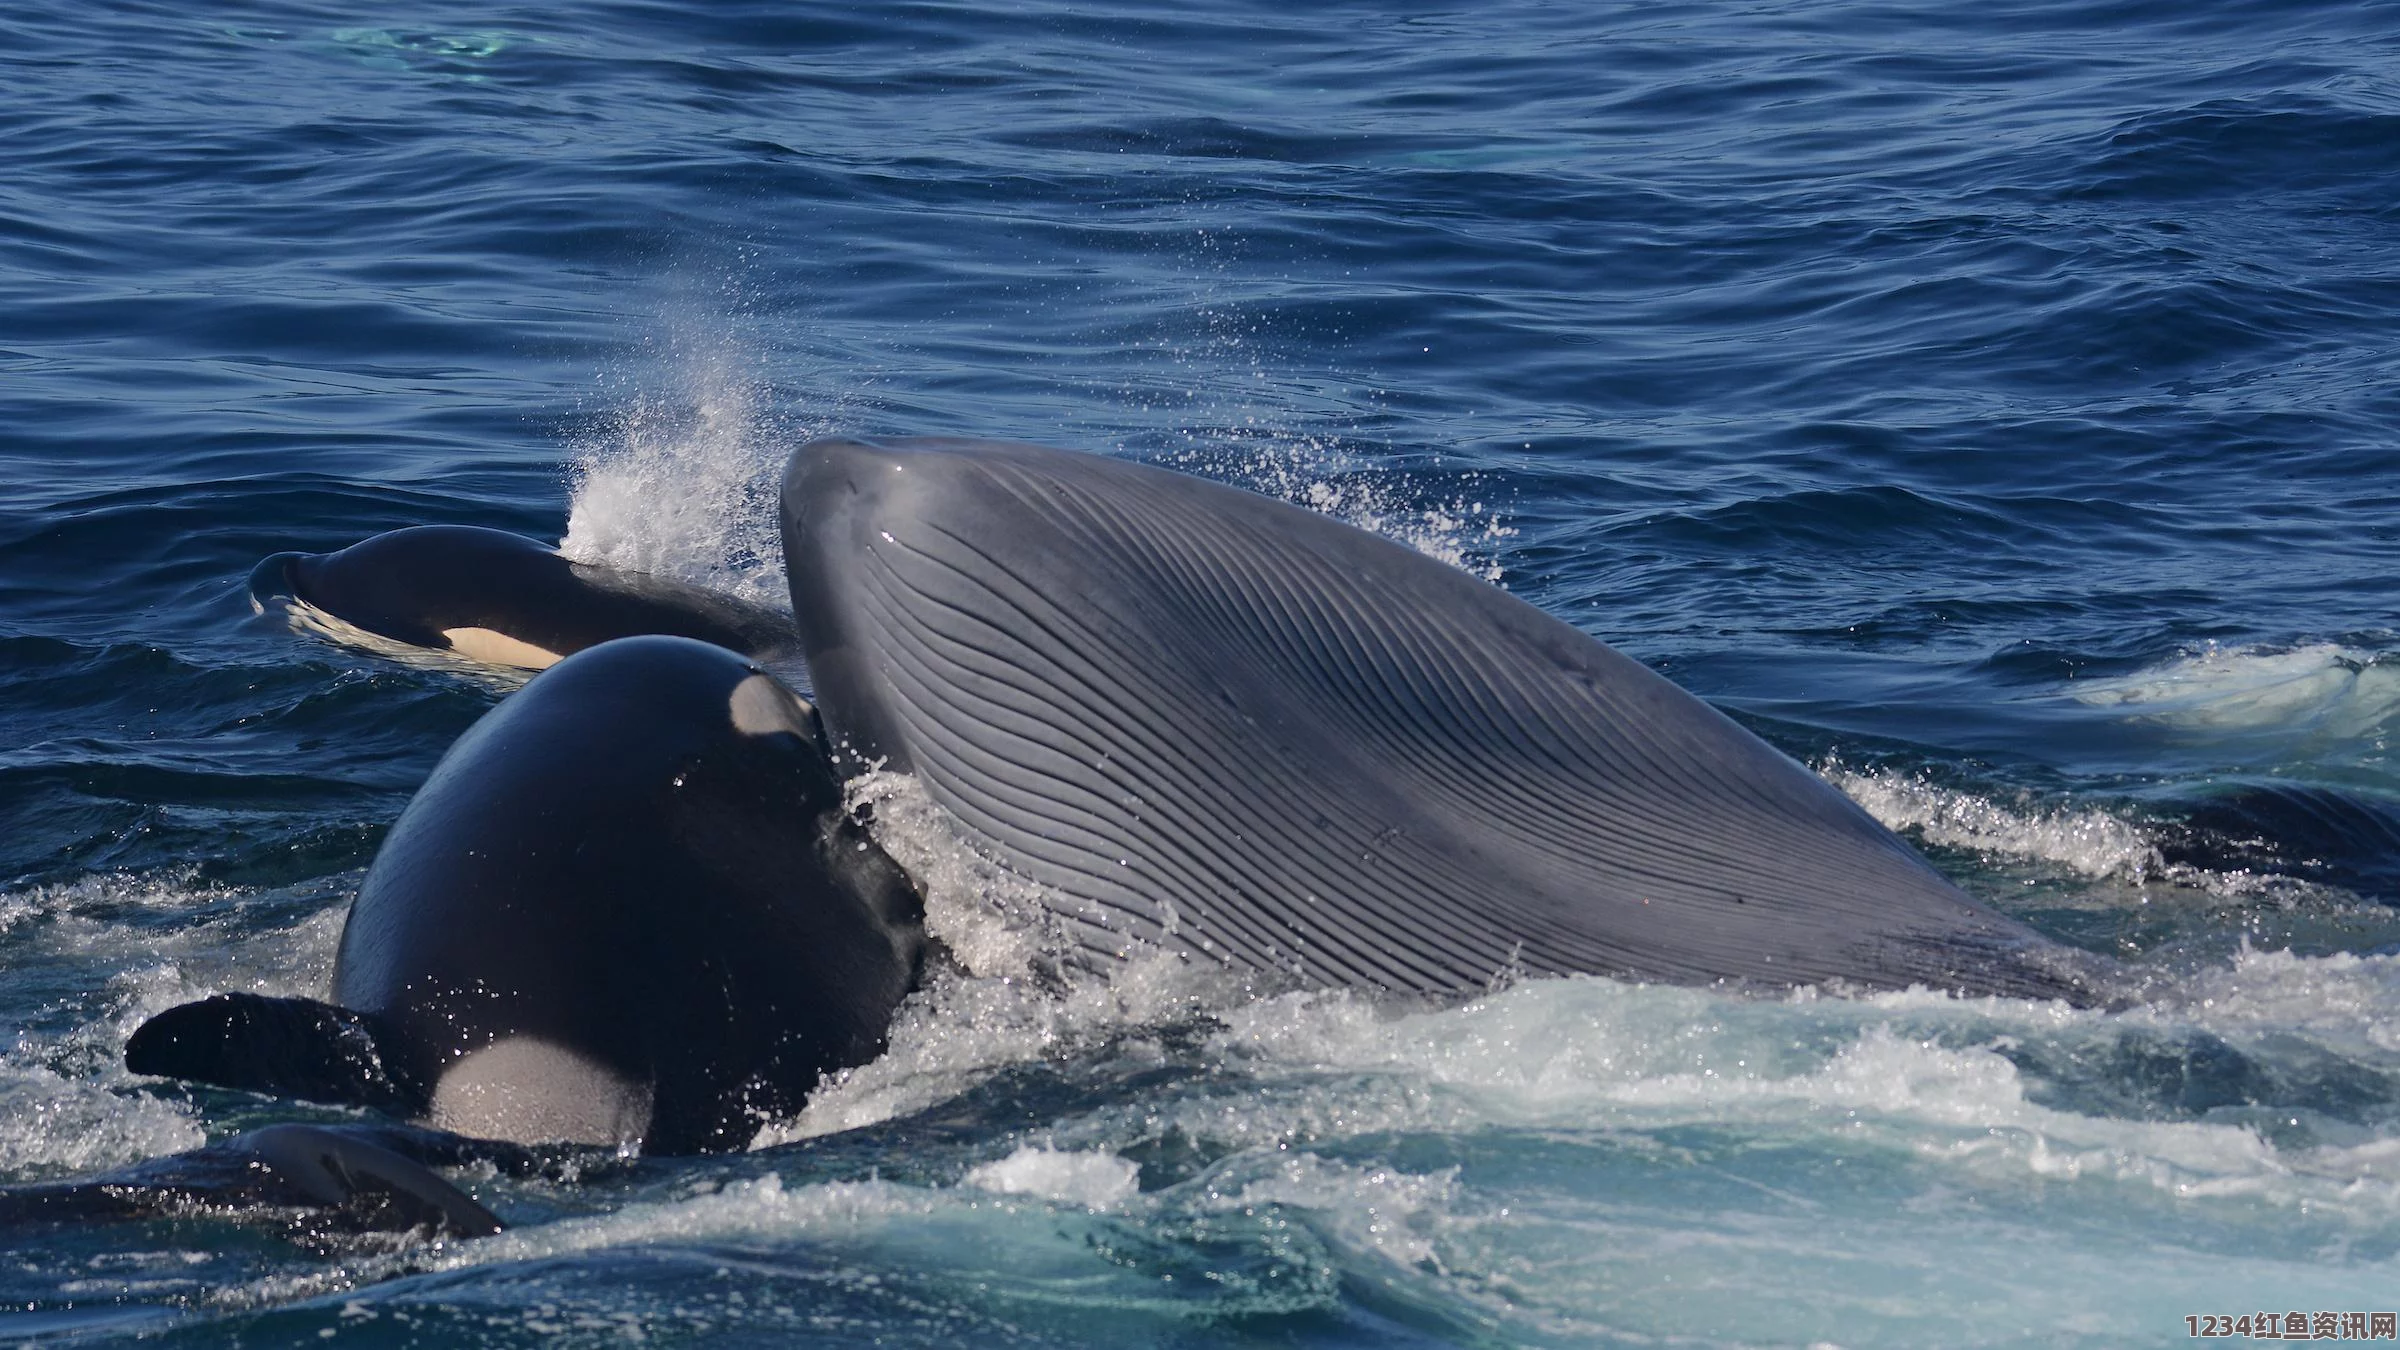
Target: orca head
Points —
{"points": [[630, 908], [498, 599], [271, 585], [488, 595]]}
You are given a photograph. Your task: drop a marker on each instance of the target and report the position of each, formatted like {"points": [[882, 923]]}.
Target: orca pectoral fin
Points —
{"points": [[339, 1182], [281, 1047], [364, 1186]]}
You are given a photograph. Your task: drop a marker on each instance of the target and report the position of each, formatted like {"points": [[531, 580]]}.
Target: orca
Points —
{"points": [[500, 599], [628, 908], [2342, 836], [323, 1183], [1210, 721]]}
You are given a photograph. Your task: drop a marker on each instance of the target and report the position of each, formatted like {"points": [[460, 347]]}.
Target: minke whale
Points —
{"points": [[628, 908], [1214, 722], [501, 599]]}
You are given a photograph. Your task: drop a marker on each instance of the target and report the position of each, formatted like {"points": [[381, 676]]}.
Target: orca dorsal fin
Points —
{"points": [[279, 1047]]}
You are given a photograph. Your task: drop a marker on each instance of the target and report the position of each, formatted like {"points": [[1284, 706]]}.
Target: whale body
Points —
{"points": [[1210, 721]]}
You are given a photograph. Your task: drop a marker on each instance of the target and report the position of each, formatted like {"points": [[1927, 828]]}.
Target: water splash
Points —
{"points": [[1015, 991], [1416, 1151], [684, 483], [1096, 1181], [2089, 842], [67, 1103], [1463, 531]]}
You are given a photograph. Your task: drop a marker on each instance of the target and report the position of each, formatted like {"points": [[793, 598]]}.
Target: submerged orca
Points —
{"points": [[502, 599], [1211, 720], [323, 1182], [628, 908]]}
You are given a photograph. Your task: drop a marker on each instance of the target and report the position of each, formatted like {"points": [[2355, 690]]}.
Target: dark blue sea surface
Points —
{"points": [[1995, 405]]}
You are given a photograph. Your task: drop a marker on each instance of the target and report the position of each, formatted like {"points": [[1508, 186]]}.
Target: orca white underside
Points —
{"points": [[303, 617]]}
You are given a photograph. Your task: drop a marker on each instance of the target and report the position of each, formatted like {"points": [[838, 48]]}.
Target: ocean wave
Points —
{"points": [[143, 944], [2088, 841]]}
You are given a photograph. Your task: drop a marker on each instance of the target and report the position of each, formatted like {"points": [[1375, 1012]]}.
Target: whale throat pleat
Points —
{"points": [[1207, 718]]}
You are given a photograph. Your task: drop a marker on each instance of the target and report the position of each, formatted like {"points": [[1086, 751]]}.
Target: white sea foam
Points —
{"points": [[1913, 1074], [1097, 1181], [80, 908], [67, 1103], [1015, 997], [1869, 1133], [2345, 1002], [1889, 1134], [2345, 689], [1916, 1080], [54, 1124], [1396, 1214], [991, 921], [1917, 1073], [2090, 842]]}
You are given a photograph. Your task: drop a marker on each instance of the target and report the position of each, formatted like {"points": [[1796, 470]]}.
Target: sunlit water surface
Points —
{"points": [[1996, 406]]}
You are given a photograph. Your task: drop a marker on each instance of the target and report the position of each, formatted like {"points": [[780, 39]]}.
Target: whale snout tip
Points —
{"points": [[275, 582]]}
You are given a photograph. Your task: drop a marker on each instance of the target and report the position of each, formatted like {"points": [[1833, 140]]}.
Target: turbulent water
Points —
{"points": [[1995, 405]]}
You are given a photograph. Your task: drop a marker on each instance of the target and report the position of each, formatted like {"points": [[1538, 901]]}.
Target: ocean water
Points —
{"points": [[1996, 406]]}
